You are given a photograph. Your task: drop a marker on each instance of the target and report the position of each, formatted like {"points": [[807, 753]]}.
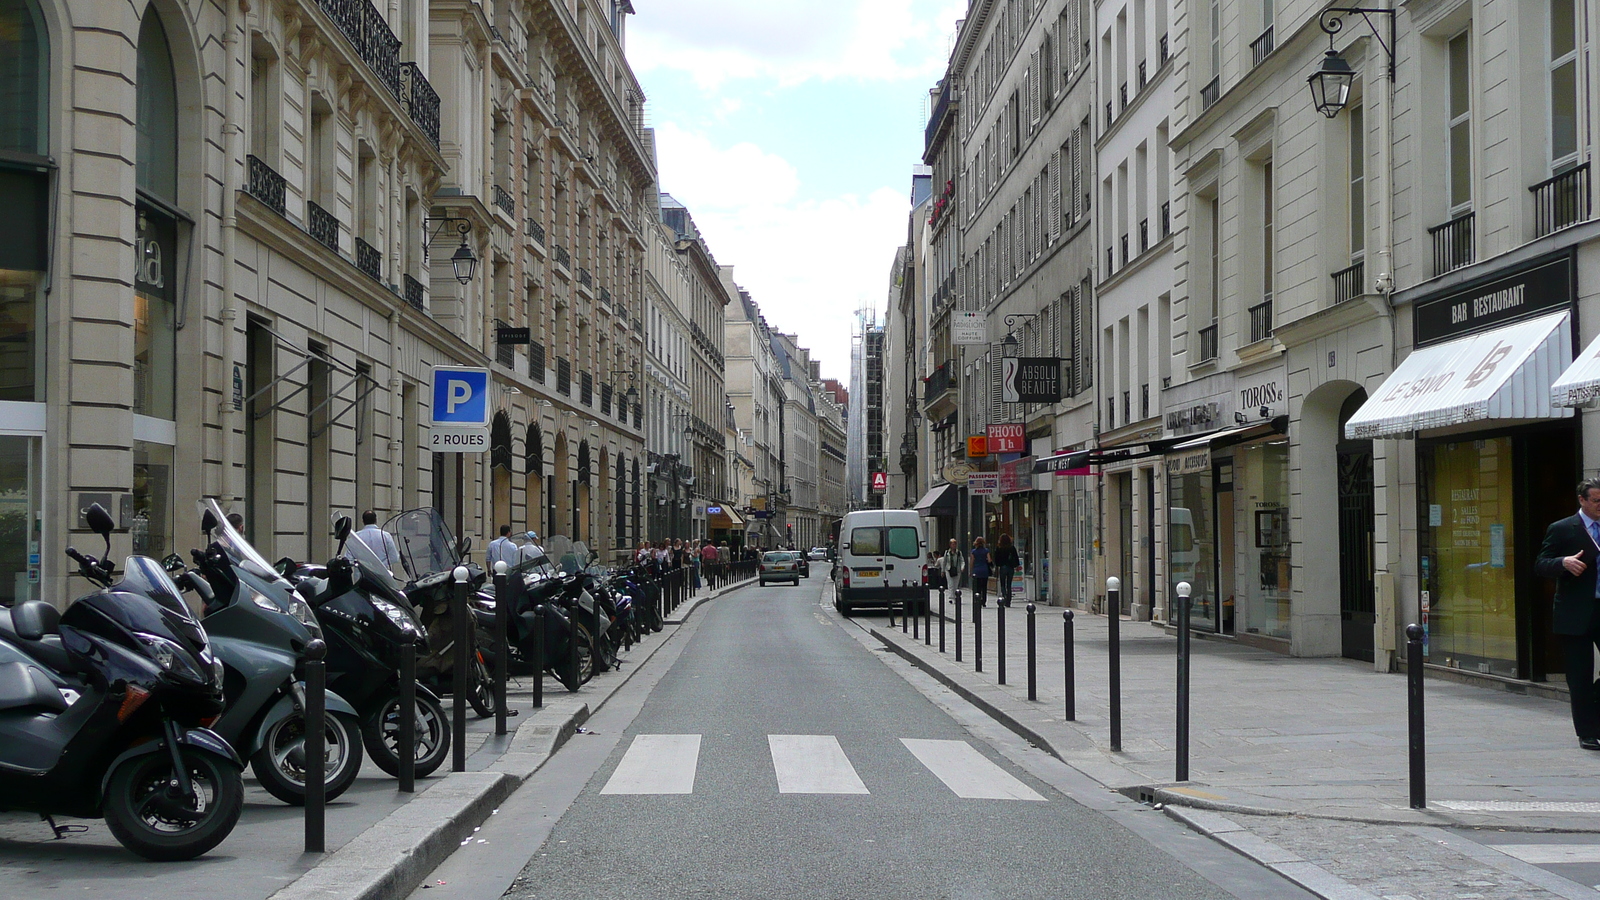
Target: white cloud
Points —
{"points": [[809, 264], [788, 43]]}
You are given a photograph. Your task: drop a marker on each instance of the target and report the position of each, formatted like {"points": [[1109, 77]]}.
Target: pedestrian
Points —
{"points": [[501, 549], [1005, 565], [380, 542], [980, 574], [1569, 556], [952, 565], [237, 521], [530, 548]]}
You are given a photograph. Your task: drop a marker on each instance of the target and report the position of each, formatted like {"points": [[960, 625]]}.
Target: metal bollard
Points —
{"points": [[958, 625], [572, 646], [460, 664], [1114, 657], [316, 750], [502, 600], [1033, 671], [538, 656], [1000, 641], [927, 623], [941, 620], [1419, 759], [977, 637], [407, 714], [916, 622], [905, 613], [1181, 764], [1069, 667]]}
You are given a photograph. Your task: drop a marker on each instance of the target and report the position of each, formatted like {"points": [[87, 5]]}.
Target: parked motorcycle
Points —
{"points": [[260, 629], [430, 555], [540, 586], [367, 623], [132, 747]]}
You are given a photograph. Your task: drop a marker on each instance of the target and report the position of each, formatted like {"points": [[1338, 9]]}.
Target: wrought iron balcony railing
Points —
{"points": [[1347, 281], [563, 376], [370, 35], [504, 200], [266, 185], [584, 278], [536, 362], [1210, 93], [1144, 77], [1261, 47], [563, 258], [1144, 401], [605, 296], [1561, 201], [536, 231], [369, 260], [1208, 342], [1261, 320], [1124, 245], [323, 226], [1144, 235], [411, 290], [1453, 244], [1166, 219], [1122, 97], [421, 100], [940, 381], [1162, 54]]}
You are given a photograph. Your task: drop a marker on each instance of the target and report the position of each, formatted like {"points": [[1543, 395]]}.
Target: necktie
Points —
{"points": [[1594, 531]]}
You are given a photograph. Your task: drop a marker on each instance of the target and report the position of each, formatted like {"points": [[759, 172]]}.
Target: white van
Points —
{"points": [[883, 560]]}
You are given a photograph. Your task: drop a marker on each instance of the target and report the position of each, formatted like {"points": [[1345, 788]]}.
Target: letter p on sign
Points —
{"points": [[460, 396], [457, 393]]}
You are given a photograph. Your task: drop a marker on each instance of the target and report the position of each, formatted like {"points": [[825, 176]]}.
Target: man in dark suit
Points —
{"points": [[1571, 546]]}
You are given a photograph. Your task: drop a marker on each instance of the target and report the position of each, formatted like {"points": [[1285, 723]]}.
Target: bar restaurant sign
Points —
{"points": [[1546, 284]]}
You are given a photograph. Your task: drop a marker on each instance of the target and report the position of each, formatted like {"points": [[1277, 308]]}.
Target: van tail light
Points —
{"points": [[924, 575], [846, 577]]}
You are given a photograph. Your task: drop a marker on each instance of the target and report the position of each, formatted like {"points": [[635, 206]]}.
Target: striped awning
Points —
{"points": [[1503, 373], [1579, 385]]}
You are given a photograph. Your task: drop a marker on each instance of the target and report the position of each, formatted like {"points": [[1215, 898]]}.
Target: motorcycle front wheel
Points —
{"points": [[150, 822], [381, 736], [280, 762], [572, 678], [481, 694]]}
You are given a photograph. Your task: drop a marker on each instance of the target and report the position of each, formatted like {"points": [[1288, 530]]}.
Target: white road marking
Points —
{"points": [[812, 764], [967, 772], [657, 764], [1547, 854]]}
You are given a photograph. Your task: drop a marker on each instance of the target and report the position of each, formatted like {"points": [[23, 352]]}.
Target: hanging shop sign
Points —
{"points": [[968, 328], [977, 446], [505, 334], [1030, 379], [956, 473], [984, 484], [1007, 437], [880, 482], [1016, 476], [1192, 462]]}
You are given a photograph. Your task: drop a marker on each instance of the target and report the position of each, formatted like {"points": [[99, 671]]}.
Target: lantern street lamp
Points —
{"points": [[463, 261], [1331, 83]]}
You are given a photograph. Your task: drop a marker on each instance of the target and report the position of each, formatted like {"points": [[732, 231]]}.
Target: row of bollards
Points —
{"points": [[1183, 591]]}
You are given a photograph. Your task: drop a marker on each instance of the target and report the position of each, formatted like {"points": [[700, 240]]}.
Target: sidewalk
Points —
{"points": [[381, 843], [1271, 734]]}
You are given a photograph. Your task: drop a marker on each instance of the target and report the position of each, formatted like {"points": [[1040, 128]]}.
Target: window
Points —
{"points": [[1460, 106], [1356, 121], [904, 543], [1216, 38], [24, 58], [155, 276], [1266, 229], [1563, 84]]}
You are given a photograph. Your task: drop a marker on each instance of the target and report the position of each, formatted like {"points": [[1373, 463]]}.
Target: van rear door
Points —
{"points": [[866, 549]]}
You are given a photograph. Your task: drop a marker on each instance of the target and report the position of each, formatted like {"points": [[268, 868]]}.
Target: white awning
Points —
{"points": [[1504, 373], [1579, 385]]}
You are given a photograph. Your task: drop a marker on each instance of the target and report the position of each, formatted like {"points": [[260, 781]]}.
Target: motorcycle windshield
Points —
{"points": [[534, 563], [145, 601], [239, 550], [370, 565], [143, 575], [564, 553], [426, 544]]}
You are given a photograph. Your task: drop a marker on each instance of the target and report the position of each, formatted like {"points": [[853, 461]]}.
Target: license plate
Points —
{"points": [[868, 573]]}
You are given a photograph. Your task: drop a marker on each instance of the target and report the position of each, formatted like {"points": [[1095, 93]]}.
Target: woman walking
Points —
{"points": [[980, 574], [1005, 565]]}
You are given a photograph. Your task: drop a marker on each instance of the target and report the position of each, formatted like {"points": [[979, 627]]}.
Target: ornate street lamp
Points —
{"points": [[464, 261], [1331, 83]]}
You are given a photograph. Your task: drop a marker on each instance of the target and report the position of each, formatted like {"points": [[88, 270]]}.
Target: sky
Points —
{"points": [[790, 129]]}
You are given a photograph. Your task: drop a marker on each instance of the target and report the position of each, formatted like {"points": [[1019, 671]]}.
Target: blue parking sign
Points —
{"points": [[460, 396]]}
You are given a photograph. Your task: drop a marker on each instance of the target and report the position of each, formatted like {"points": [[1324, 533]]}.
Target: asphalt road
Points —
{"points": [[774, 754]]}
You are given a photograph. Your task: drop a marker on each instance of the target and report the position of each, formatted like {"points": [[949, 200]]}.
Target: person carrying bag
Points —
{"points": [[951, 565], [1006, 561]]}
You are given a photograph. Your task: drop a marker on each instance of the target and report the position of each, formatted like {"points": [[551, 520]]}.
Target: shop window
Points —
{"points": [[24, 60], [19, 524], [1468, 555], [1262, 475], [151, 529], [1191, 547], [24, 193], [155, 279]]}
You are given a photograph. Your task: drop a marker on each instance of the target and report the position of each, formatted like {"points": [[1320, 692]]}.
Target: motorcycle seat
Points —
{"points": [[24, 686], [36, 618]]}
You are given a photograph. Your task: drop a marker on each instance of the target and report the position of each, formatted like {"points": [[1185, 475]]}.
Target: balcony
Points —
{"points": [[503, 200], [1261, 47], [1210, 93], [536, 231], [536, 362], [940, 108], [1144, 401], [1109, 117], [265, 184], [370, 35], [605, 399], [1127, 408], [504, 354], [605, 296], [1261, 320], [564, 376], [1561, 201], [1124, 244], [323, 226], [939, 382], [1453, 245], [584, 278], [1162, 53], [411, 290], [1208, 342], [1111, 412], [1144, 235], [1144, 77], [563, 258], [1122, 97], [421, 100], [369, 260], [1347, 282], [1111, 261], [586, 389], [1166, 220]]}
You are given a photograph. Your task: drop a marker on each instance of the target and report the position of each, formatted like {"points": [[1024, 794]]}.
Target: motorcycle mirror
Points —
{"points": [[99, 520], [341, 531], [463, 546], [173, 563], [208, 522]]}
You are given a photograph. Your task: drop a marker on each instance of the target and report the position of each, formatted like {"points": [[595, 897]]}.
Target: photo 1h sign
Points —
{"points": [[460, 410], [880, 482], [1007, 438]]}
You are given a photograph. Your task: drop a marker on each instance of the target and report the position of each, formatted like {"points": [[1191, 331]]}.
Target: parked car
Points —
{"points": [[779, 565], [802, 564]]}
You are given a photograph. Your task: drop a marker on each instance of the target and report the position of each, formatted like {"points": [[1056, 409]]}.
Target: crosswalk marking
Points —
{"points": [[966, 772], [812, 764], [657, 764]]}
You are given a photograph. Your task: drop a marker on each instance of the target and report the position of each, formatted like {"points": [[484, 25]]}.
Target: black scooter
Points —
{"points": [[430, 555], [133, 747], [367, 625]]}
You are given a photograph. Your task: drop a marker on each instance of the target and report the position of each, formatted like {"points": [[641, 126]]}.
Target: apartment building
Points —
{"points": [[668, 399], [755, 392], [1133, 289]]}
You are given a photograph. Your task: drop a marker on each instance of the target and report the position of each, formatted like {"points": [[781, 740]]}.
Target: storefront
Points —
{"points": [[1496, 461], [1023, 512]]}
